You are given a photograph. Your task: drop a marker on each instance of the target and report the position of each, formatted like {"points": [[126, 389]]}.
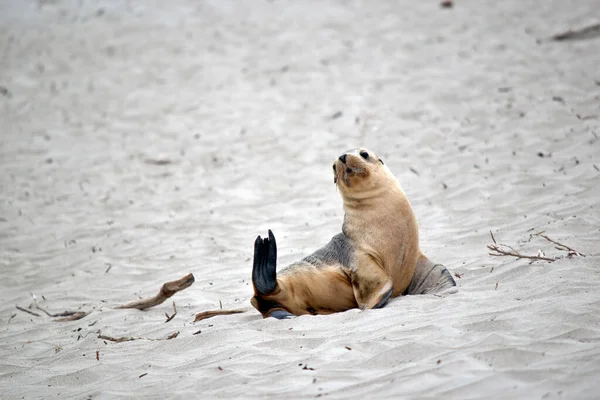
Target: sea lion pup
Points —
{"points": [[376, 256]]}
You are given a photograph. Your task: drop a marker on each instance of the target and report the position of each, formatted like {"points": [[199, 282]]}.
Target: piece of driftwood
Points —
{"points": [[167, 290], [209, 314]]}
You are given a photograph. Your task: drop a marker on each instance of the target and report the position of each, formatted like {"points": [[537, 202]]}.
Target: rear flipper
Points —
{"points": [[429, 278], [264, 278], [264, 275]]}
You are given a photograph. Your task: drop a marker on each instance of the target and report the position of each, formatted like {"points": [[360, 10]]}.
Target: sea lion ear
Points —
{"points": [[381, 161], [264, 275]]}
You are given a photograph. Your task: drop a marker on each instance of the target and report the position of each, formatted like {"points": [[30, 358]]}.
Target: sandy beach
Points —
{"points": [[141, 141]]}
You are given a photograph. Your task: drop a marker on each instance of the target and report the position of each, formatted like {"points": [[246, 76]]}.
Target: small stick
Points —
{"points": [[172, 316], [172, 336], [583, 33], [27, 311], [73, 317], [492, 235], [117, 339], [167, 290], [209, 314], [97, 355], [11, 317], [564, 247]]}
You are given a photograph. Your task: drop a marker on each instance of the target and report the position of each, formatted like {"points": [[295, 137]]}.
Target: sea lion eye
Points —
{"points": [[364, 154]]}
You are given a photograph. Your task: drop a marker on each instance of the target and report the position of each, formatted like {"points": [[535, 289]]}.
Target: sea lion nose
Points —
{"points": [[343, 158]]}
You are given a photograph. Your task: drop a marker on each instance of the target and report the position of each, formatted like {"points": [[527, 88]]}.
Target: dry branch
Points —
{"points": [[501, 252], [209, 314], [167, 290], [513, 253]]}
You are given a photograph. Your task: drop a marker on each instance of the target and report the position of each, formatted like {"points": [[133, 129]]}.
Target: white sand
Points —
{"points": [[238, 95]]}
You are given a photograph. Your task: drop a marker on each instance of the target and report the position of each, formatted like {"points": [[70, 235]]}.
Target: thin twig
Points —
{"points": [[167, 290], [209, 314], [27, 311], [562, 247], [11, 317], [170, 317], [493, 238], [71, 314], [131, 338]]}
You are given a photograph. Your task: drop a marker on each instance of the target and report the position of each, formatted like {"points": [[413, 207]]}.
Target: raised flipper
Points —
{"points": [[264, 277], [429, 278], [372, 286]]}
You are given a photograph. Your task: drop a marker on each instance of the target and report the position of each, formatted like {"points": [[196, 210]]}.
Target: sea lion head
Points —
{"points": [[358, 172]]}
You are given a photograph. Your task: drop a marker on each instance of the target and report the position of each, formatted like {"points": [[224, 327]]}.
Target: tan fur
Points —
{"points": [[314, 291], [380, 231]]}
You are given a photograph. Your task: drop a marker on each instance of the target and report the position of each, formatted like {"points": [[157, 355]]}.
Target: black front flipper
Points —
{"points": [[264, 275]]}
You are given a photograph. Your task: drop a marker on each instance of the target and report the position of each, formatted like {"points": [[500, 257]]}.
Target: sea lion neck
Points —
{"points": [[372, 198]]}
